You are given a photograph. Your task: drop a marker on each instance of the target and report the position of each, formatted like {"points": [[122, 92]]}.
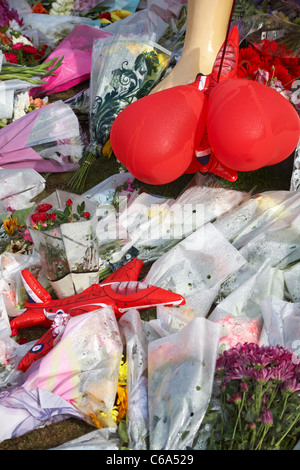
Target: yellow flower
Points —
{"points": [[121, 402], [120, 408], [107, 150], [11, 225], [123, 371], [115, 414], [96, 419], [119, 15]]}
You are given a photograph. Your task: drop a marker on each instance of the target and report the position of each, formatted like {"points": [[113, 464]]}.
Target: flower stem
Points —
{"points": [[288, 430], [266, 429], [238, 419], [284, 406]]}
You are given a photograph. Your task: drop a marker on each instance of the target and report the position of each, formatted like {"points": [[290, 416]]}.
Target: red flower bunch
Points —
{"points": [[45, 218], [106, 15], [40, 9], [280, 63], [20, 53]]}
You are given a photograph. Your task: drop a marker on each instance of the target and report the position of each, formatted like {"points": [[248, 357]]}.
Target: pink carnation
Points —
{"points": [[236, 331], [17, 46]]}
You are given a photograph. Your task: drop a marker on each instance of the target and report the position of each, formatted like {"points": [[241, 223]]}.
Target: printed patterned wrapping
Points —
{"points": [[124, 69], [295, 179], [69, 254]]}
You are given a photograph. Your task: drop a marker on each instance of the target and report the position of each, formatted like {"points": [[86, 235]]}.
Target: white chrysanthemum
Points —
{"points": [[62, 7], [21, 105], [14, 25], [21, 39]]}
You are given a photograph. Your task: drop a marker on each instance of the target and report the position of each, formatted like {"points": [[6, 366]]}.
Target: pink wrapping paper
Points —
{"points": [[15, 152], [76, 49]]}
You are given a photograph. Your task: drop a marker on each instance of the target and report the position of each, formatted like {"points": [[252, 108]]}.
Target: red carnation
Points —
{"points": [[17, 46], [106, 15], [86, 215], [44, 207], [11, 57], [69, 202], [52, 216], [30, 49]]}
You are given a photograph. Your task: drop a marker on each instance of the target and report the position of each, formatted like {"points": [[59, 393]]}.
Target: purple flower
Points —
{"points": [[267, 418], [244, 386], [236, 398], [285, 371], [252, 426], [262, 375], [6, 14], [291, 386]]}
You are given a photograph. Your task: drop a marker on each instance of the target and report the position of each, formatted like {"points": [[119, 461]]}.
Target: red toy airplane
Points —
{"points": [[121, 290]]}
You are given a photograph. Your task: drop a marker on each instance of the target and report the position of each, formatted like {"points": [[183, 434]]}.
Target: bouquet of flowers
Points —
{"points": [[76, 51], [151, 225], [181, 374], [63, 230], [14, 43], [271, 63], [259, 399], [78, 378], [47, 139], [135, 336]]}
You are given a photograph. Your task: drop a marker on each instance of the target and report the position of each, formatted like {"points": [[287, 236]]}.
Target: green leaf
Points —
{"points": [[60, 214], [81, 207], [21, 215], [122, 431], [251, 415]]}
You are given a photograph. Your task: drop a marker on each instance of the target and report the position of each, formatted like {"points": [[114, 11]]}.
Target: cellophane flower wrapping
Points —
{"points": [[8, 348], [54, 27], [76, 50], [239, 313], [11, 285], [281, 323], [100, 439], [18, 187], [69, 253], [136, 340], [47, 139], [196, 267], [154, 224], [181, 371], [124, 68]]}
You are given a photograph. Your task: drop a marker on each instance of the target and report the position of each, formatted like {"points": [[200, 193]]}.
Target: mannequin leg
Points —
{"points": [[206, 27]]}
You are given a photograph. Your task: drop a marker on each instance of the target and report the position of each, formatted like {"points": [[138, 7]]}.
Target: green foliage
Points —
{"points": [[245, 8]]}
